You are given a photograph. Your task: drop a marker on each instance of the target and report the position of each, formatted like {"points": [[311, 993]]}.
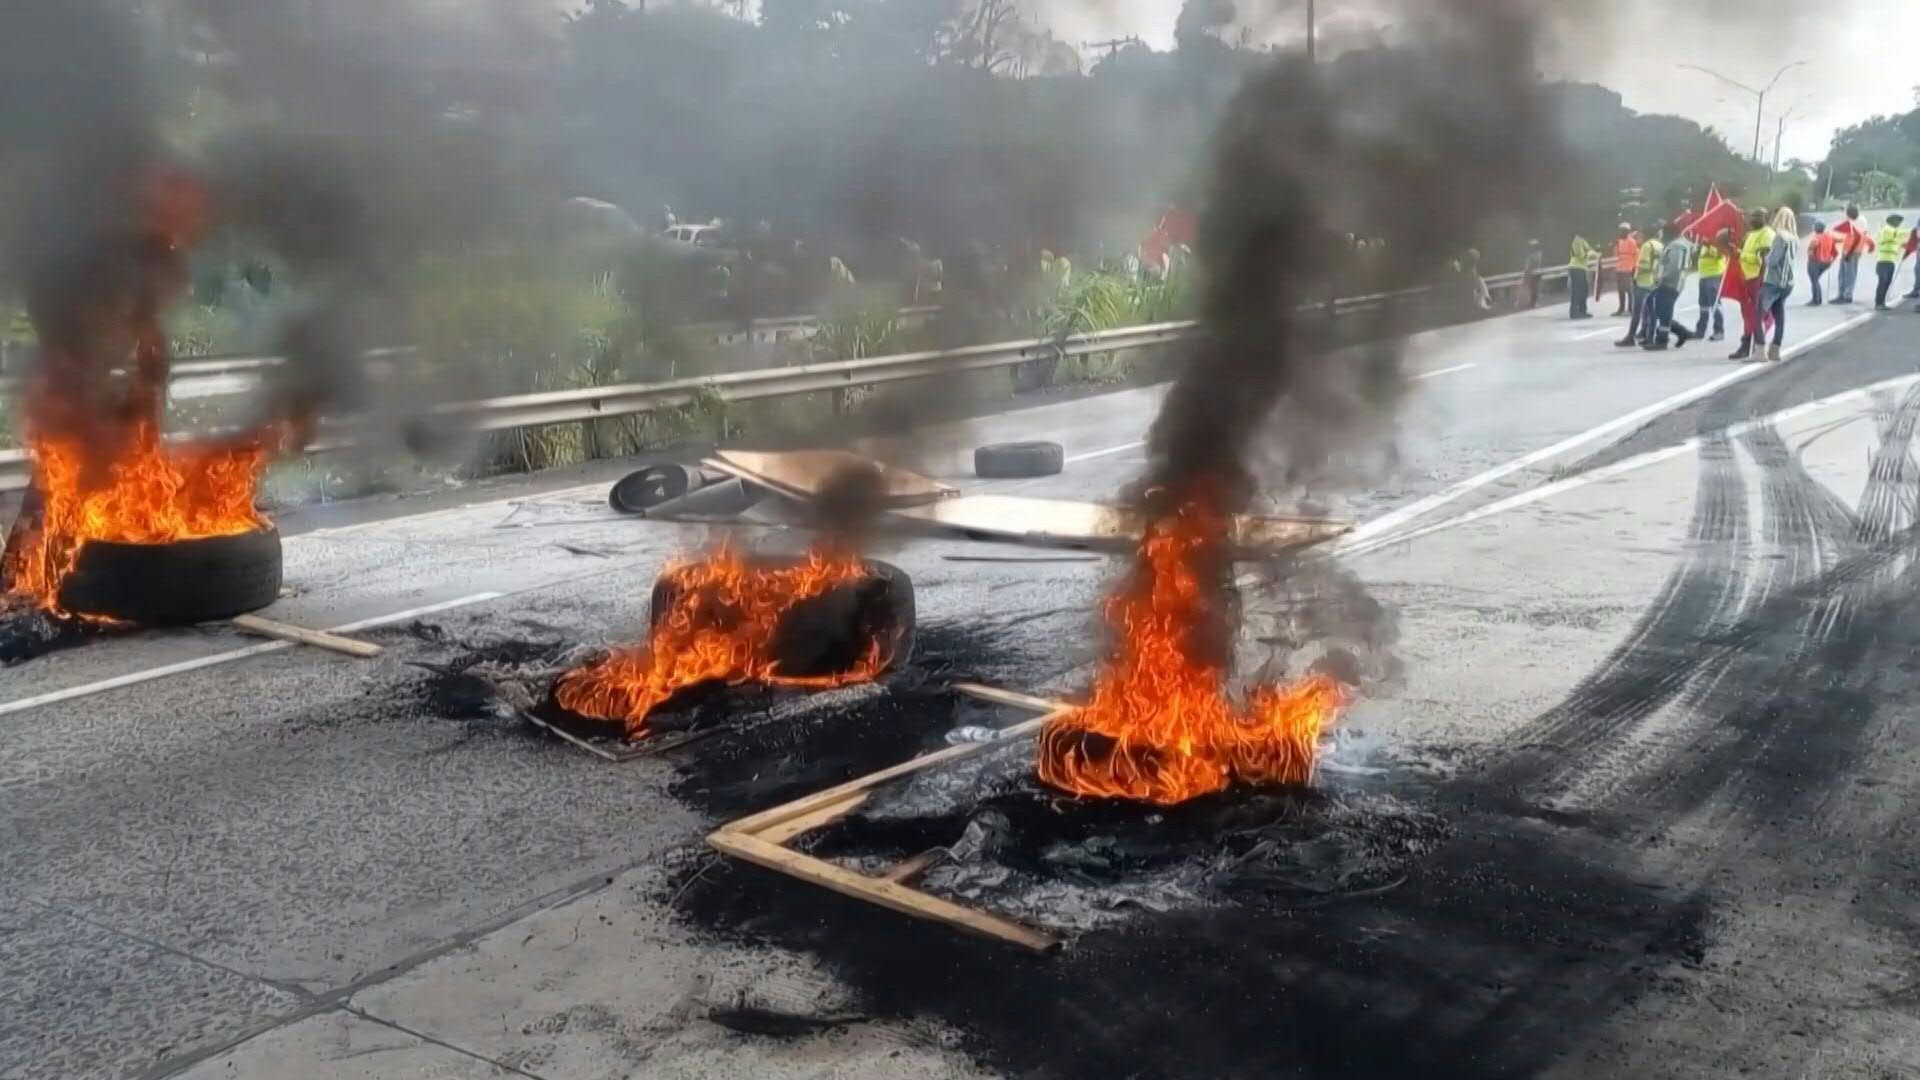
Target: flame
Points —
{"points": [[726, 612], [1159, 726], [101, 469]]}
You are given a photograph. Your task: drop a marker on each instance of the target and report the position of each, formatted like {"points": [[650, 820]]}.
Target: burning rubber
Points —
{"points": [[822, 620]]}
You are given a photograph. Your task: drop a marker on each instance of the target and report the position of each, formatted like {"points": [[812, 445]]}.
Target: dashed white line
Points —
{"points": [[1440, 372], [137, 677], [1121, 449], [1387, 522], [1636, 463]]}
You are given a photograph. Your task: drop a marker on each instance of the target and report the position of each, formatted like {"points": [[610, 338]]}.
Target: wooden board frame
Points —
{"points": [[762, 838]]}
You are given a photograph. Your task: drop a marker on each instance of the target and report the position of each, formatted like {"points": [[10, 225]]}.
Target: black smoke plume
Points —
{"points": [[1423, 147]]}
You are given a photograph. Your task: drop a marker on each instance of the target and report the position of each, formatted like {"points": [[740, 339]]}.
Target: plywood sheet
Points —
{"points": [[1067, 523], [800, 473]]}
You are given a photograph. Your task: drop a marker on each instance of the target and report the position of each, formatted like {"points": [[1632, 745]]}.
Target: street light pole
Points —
{"points": [[1311, 58], [1760, 95]]}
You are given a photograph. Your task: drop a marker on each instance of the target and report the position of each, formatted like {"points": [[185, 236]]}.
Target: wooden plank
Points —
{"points": [[761, 821], [300, 635], [909, 868], [1008, 697], [887, 894], [786, 830]]}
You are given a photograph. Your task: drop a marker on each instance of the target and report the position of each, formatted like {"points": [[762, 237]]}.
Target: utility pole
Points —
{"points": [[1760, 95], [1311, 57], [1781, 130]]}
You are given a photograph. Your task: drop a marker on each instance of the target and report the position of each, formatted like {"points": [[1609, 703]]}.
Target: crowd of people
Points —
{"points": [[1756, 269]]}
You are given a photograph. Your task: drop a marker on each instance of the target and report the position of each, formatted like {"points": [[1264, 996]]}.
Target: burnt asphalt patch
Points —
{"points": [[1351, 933], [1882, 349]]}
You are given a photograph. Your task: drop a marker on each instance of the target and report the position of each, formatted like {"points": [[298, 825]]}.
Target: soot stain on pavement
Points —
{"points": [[29, 635], [1483, 955]]}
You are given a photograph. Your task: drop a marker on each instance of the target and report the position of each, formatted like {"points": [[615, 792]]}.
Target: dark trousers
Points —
{"points": [[1663, 303], [1577, 292], [1642, 325], [1815, 271], [1623, 286], [1710, 308], [1885, 286]]}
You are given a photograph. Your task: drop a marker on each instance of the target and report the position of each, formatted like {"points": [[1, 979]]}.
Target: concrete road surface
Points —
{"points": [[1654, 606]]}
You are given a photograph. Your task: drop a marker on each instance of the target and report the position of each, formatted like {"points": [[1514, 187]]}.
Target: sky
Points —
{"points": [[1848, 46]]}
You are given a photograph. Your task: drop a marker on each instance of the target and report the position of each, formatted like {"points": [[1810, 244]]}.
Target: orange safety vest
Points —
{"points": [[1626, 254], [1824, 247]]}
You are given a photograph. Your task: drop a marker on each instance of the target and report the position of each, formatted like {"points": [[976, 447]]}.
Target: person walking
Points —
{"points": [[1712, 268], [1577, 285], [1670, 275], [1751, 264], [1646, 271], [1854, 242], [1776, 283], [1530, 268], [1822, 250], [1888, 243], [1626, 256]]}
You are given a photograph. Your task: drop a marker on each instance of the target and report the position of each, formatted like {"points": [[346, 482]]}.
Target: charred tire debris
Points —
{"points": [[176, 584], [1018, 460]]}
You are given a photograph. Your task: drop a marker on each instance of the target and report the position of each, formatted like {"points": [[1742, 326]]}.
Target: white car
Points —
{"points": [[696, 235]]}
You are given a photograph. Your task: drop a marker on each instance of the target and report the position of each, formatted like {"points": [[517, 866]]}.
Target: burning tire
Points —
{"points": [[187, 581], [1018, 460], [832, 633]]}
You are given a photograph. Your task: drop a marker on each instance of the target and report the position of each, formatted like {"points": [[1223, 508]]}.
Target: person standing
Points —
{"points": [[1646, 271], [1577, 285], [1626, 256], [1670, 275], [1712, 267], [1888, 243], [1853, 243], [1752, 263], [1912, 251], [1530, 276], [1776, 283], [1821, 252]]}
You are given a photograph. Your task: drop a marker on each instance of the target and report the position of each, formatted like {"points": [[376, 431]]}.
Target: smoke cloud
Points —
{"points": [[1424, 147]]}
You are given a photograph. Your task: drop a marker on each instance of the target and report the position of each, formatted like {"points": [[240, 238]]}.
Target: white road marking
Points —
{"points": [[1121, 449], [559, 495], [137, 677], [1440, 372], [1637, 462], [1391, 520]]}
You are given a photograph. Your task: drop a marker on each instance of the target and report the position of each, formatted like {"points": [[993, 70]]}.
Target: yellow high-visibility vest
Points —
{"points": [[1889, 241], [1713, 261]]}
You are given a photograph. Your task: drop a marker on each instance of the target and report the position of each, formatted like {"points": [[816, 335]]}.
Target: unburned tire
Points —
{"points": [[188, 581], [830, 633], [1018, 460]]}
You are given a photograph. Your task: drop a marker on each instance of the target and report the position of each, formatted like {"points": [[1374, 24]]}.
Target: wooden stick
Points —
{"points": [[786, 830], [1009, 697], [319, 639], [799, 807], [576, 740], [911, 867], [887, 894]]}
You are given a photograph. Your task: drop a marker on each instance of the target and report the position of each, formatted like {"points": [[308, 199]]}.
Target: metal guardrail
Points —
{"points": [[600, 403]]}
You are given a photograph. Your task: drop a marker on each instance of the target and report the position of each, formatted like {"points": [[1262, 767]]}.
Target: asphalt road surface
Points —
{"points": [[1656, 621]]}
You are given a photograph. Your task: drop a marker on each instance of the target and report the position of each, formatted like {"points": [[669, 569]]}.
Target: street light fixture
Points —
{"points": [[1781, 130], [1760, 95]]}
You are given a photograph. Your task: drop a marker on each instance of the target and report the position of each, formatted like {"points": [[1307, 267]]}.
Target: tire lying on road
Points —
{"points": [[1017, 460], [641, 490], [187, 581], [831, 633]]}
